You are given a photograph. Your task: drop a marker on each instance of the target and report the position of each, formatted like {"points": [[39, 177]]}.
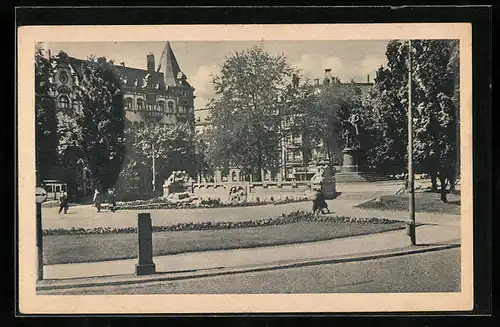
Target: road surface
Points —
{"points": [[425, 272]]}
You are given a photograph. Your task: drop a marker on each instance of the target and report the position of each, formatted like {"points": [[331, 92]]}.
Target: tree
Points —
{"points": [[435, 100], [170, 146], [102, 120], [436, 104], [203, 162], [333, 103], [386, 117], [45, 117], [253, 93]]}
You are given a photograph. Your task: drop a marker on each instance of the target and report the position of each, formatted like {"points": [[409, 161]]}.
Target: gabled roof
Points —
{"points": [[127, 75]]}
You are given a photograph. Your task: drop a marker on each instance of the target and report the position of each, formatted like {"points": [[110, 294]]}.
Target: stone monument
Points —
{"points": [[351, 170], [351, 150], [178, 182]]}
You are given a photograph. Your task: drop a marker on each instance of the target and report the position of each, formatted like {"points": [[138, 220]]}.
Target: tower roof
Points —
{"points": [[169, 66]]}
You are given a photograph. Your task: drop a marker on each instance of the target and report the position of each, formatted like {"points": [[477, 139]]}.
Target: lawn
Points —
{"points": [[424, 202], [95, 247]]}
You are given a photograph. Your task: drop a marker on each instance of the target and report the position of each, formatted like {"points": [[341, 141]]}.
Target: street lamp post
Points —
{"points": [[410, 227], [154, 170]]}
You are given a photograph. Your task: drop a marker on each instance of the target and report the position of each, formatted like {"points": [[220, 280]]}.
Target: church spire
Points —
{"points": [[169, 66]]}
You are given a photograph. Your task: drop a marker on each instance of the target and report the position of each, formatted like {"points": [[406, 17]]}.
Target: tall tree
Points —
{"points": [[102, 120], [435, 100], [45, 116], [386, 118], [171, 146], [436, 110], [253, 93]]}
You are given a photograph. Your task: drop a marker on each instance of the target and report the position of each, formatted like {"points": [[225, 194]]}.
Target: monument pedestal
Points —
{"points": [[349, 164], [351, 172]]}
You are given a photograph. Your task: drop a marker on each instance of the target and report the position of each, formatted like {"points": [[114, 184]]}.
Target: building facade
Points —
{"points": [[158, 94]]}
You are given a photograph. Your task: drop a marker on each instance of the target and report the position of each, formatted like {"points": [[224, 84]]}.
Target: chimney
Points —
{"points": [[122, 64], [328, 73], [316, 81], [151, 62], [368, 79]]}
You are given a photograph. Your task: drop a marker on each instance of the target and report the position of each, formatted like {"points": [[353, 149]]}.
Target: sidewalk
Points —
{"points": [[202, 264]]}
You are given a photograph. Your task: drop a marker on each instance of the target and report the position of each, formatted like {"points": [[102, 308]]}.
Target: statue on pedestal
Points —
{"points": [[351, 131]]}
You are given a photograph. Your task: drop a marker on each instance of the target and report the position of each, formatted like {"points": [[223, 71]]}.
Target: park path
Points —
{"points": [[85, 216]]}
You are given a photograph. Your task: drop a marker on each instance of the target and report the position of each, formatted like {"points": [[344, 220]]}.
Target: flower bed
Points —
{"points": [[294, 217], [163, 203]]}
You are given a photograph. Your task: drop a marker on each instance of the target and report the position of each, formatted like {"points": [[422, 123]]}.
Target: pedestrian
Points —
{"points": [[319, 202], [63, 202], [112, 199], [97, 199]]}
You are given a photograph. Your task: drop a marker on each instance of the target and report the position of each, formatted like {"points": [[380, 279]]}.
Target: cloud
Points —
{"points": [[313, 66], [202, 82]]}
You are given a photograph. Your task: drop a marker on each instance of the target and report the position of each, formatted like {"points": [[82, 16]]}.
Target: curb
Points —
{"points": [[212, 272]]}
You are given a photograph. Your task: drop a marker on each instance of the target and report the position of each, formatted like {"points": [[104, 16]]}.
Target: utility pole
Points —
{"points": [[410, 227], [154, 170]]}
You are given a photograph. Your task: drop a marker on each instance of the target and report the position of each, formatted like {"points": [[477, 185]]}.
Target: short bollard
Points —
{"points": [[145, 266]]}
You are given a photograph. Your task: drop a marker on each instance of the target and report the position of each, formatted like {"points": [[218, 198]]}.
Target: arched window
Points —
{"points": [[63, 102], [140, 104], [161, 106], [128, 103], [170, 106]]}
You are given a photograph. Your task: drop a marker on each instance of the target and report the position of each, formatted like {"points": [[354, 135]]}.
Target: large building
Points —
{"points": [[160, 93], [295, 159]]}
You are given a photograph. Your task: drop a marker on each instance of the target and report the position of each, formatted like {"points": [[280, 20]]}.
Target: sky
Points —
{"points": [[200, 60]]}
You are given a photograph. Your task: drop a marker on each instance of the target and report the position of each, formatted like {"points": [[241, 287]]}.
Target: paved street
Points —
{"points": [[343, 247], [427, 272]]}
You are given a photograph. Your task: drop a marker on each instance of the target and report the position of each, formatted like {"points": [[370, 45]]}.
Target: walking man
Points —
{"points": [[63, 202], [112, 200], [319, 203], [97, 200]]}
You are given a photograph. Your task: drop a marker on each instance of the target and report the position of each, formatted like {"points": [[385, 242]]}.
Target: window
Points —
{"points": [[63, 77], [170, 106], [161, 105], [181, 109], [128, 104], [63, 102], [140, 104], [233, 176]]}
